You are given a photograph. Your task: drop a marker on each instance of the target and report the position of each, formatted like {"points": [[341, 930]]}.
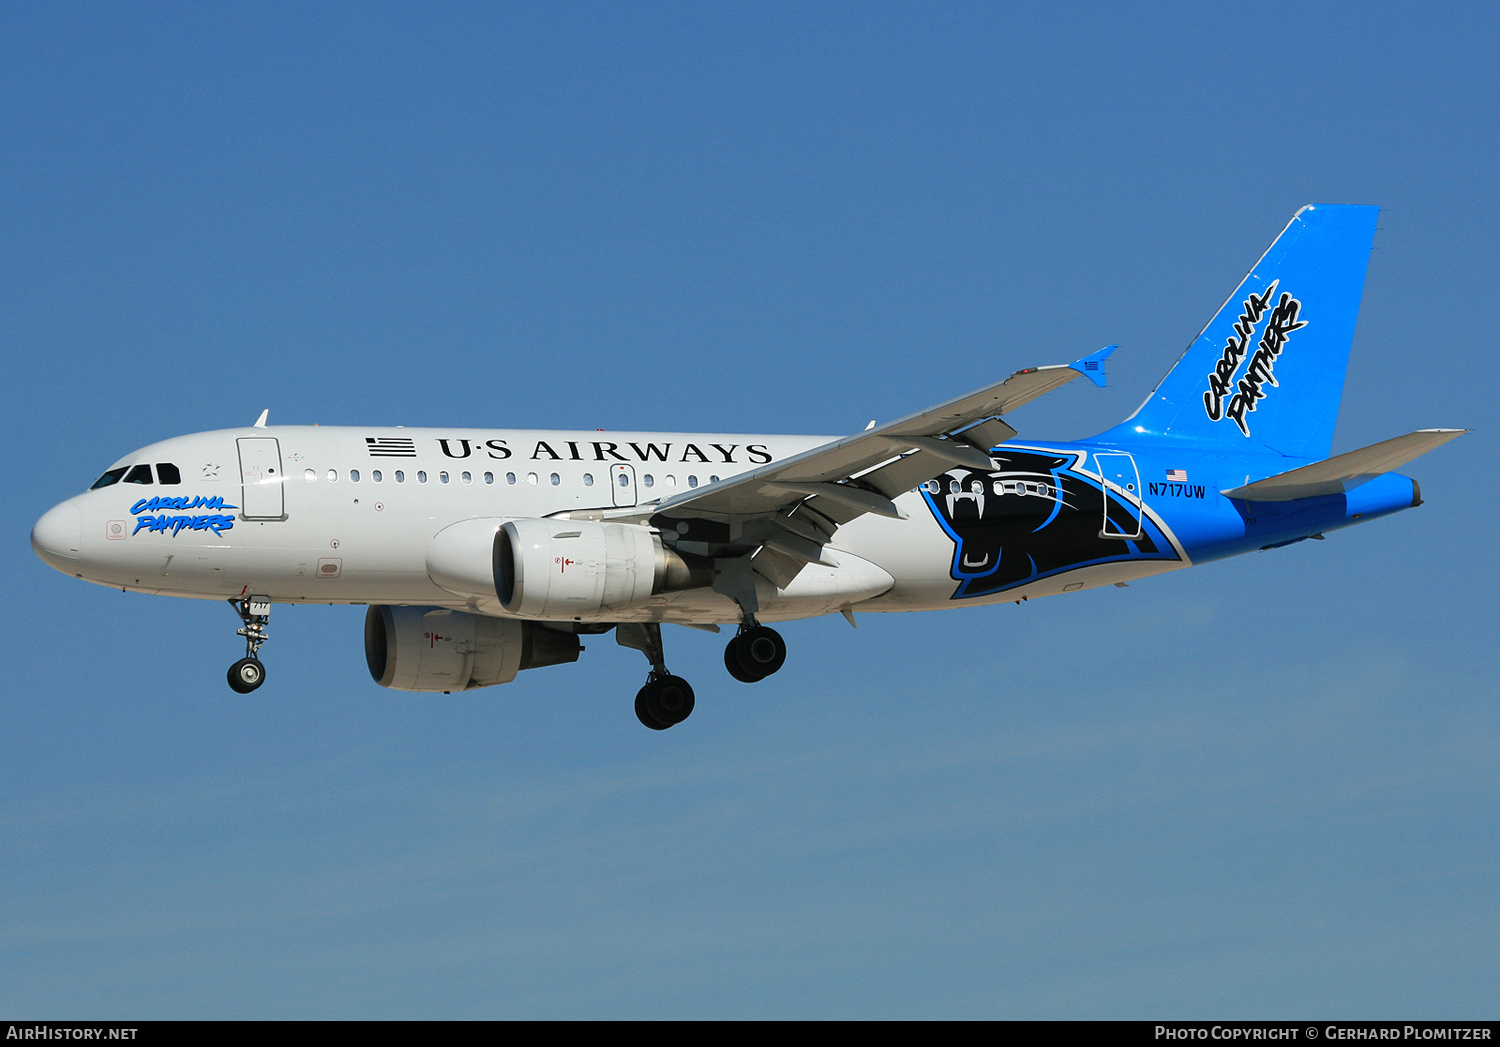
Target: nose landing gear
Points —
{"points": [[248, 673]]}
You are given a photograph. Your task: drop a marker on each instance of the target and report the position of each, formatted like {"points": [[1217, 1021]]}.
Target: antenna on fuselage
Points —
{"points": [[260, 423]]}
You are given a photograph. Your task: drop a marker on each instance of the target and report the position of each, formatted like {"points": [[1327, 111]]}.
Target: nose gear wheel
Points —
{"points": [[246, 675]]}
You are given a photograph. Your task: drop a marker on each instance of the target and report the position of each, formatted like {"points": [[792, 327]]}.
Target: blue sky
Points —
{"points": [[1261, 787]]}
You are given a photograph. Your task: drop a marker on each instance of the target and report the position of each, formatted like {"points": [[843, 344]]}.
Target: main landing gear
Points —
{"points": [[666, 700], [248, 673], [755, 653]]}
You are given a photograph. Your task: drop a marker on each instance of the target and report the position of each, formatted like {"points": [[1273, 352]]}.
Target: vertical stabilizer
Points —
{"points": [[1268, 370]]}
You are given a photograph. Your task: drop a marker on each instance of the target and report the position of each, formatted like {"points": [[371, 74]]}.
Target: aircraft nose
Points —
{"points": [[57, 536]]}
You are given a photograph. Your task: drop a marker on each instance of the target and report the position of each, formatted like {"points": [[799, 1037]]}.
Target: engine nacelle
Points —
{"points": [[578, 569], [433, 649]]}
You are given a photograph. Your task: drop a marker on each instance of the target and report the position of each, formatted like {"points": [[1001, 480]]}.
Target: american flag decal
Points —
{"points": [[391, 446], [1177, 476]]}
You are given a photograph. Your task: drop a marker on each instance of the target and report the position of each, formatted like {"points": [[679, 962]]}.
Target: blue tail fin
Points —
{"points": [[1268, 370]]}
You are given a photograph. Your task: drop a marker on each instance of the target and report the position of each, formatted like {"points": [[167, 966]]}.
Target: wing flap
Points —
{"points": [[776, 566], [987, 434], [903, 474], [797, 548]]}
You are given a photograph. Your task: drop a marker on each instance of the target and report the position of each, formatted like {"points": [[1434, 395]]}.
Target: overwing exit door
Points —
{"points": [[622, 484]]}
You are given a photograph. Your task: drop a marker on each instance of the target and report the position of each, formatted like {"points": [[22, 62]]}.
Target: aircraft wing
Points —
{"points": [[783, 513]]}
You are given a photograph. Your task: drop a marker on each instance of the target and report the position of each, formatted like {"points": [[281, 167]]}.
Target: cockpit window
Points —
{"points": [[167, 473], [139, 474], [111, 477]]}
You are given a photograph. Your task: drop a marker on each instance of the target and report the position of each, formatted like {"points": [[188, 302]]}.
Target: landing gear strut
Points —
{"points": [[666, 700], [248, 673], [755, 652]]}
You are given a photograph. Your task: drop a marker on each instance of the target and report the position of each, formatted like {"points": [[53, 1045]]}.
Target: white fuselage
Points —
{"points": [[346, 515]]}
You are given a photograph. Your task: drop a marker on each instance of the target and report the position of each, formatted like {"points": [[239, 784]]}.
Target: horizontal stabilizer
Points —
{"points": [[1338, 474]]}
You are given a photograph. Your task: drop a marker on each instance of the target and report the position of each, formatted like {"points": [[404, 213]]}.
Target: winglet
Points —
{"points": [[1092, 366], [260, 423]]}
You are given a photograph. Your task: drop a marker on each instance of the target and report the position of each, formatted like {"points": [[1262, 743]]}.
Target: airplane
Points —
{"points": [[481, 553]]}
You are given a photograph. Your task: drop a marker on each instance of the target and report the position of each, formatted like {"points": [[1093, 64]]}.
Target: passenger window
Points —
{"points": [[443, 476], [401, 476], [588, 479], [309, 475], [110, 478], [531, 479], [333, 476], [139, 474], [421, 476], [489, 478], [556, 479], [713, 479], [650, 481], [467, 478], [168, 474], [692, 481], [510, 478], [354, 476], [376, 475]]}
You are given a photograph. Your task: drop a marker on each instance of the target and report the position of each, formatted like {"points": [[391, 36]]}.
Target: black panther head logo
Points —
{"points": [[1033, 516]]}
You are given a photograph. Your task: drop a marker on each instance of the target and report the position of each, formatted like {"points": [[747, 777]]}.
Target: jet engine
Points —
{"points": [[433, 649], [579, 569]]}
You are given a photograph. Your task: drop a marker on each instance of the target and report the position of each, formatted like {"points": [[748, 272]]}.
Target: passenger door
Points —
{"points": [[262, 496], [1118, 468]]}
